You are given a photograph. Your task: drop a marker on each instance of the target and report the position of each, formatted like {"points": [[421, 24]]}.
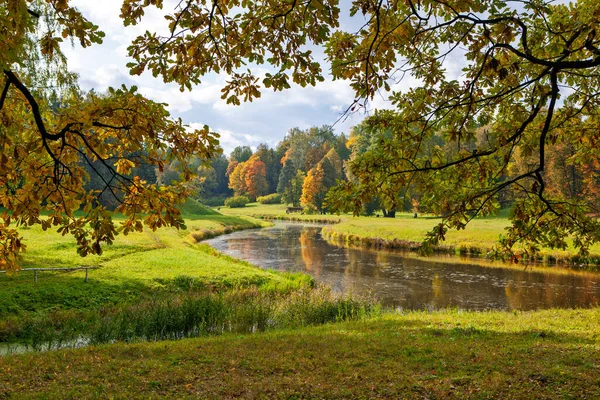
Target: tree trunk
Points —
{"points": [[389, 214]]}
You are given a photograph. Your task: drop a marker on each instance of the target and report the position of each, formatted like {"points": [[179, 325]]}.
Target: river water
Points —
{"points": [[408, 282]]}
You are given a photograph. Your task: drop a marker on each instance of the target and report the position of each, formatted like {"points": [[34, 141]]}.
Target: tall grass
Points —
{"points": [[192, 313]]}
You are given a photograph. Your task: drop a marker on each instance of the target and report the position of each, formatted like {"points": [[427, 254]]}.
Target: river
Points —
{"points": [[408, 282]]}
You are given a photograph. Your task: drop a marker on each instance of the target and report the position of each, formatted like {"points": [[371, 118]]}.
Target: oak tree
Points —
{"points": [[52, 135], [530, 71]]}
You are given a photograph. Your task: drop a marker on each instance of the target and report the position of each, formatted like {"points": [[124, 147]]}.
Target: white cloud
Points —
{"points": [[266, 119]]}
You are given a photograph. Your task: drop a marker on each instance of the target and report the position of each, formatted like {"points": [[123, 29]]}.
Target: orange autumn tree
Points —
{"points": [[255, 178], [312, 188], [249, 178], [319, 180], [237, 183]]}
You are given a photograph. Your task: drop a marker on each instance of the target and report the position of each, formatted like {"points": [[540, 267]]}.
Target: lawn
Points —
{"points": [[550, 354]]}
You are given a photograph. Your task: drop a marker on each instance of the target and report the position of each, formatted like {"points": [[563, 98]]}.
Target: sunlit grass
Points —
{"points": [[135, 266]]}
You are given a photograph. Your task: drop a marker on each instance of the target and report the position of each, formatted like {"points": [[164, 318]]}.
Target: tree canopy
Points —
{"points": [[53, 135], [530, 79]]}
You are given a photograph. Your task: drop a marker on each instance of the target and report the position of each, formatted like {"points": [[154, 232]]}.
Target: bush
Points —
{"points": [[215, 201], [237, 201], [274, 198]]}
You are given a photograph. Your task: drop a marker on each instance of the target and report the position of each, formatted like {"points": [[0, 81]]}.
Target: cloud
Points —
{"points": [[266, 119]]}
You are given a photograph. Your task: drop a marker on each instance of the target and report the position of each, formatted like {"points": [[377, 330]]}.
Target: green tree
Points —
{"points": [[241, 154], [284, 187], [272, 164]]}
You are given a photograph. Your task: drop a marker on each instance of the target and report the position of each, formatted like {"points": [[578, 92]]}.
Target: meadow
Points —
{"points": [[167, 317], [551, 354]]}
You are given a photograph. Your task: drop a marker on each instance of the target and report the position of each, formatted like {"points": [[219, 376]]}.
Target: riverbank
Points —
{"points": [[154, 285], [548, 354], [407, 233]]}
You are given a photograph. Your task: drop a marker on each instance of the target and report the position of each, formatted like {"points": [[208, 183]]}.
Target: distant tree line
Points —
{"points": [[325, 172]]}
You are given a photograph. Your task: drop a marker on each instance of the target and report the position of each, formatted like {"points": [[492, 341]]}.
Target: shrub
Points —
{"points": [[237, 201], [215, 201], [274, 198]]}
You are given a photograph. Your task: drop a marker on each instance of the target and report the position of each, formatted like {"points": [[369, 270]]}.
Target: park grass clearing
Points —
{"points": [[405, 232], [278, 211], [551, 354], [147, 270]]}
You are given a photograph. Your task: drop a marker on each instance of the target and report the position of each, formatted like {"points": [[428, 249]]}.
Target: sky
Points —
{"points": [[265, 120]]}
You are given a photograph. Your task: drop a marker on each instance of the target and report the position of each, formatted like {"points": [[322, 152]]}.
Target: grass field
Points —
{"points": [[134, 265], [272, 343], [152, 283], [548, 354]]}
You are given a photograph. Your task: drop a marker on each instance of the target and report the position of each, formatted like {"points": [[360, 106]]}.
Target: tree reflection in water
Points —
{"points": [[408, 282]]}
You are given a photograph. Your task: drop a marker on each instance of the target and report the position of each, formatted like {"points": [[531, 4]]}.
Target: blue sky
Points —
{"points": [[266, 120]]}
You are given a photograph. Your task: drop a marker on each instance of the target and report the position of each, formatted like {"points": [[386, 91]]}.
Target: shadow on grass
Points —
{"points": [[401, 358]]}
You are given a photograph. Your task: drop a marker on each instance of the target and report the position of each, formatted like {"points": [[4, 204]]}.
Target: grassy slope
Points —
{"points": [[481, 234], [546, 354], [134, 266]]}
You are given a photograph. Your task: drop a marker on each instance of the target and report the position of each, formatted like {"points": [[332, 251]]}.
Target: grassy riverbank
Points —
{"points": [[549, 354], [154, 285], [406, 232], [275, 339]]}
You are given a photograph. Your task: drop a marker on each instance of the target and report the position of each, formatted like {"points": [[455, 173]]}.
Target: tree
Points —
{"points": [[284, 187], [312, 189], [237, 181], [272, 164], [241, 154], [318, 181], [295, 192], [53, 137], [255, 177], [530, 73], [249, 178]]}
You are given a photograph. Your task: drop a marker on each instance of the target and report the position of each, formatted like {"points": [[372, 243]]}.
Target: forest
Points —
{"points": [[317, 168]]}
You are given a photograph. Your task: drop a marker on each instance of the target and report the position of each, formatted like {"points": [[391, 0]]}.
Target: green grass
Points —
{"points": [[276, 211], [550, 354], [136, 266], [479, 237]]}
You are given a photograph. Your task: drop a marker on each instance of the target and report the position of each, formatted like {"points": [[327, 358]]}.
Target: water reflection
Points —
{"points": [[408, 282]]}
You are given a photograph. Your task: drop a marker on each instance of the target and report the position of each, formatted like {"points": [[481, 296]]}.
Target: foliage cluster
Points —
{"points": [[274, 198], [237, 201]]}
